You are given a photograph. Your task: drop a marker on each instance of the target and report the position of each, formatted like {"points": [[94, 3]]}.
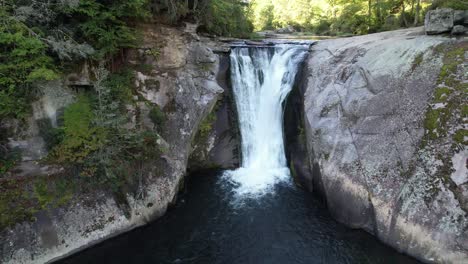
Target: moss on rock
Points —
{"points": [[449, 98], [22, 198]]}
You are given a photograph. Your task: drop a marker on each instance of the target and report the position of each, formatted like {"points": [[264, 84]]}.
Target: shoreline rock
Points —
{"points": [[366, 111]]}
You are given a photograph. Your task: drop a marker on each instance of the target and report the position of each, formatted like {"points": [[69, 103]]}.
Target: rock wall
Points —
{"points": [[217, 143], [445, 20], [181, 81], [374, 109]]}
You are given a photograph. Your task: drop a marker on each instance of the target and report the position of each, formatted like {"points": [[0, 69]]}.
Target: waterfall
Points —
{"points": [[261, 78]]}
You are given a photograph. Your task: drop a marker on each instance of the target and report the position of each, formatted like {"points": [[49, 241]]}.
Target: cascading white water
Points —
{"points": [[262, 77]]}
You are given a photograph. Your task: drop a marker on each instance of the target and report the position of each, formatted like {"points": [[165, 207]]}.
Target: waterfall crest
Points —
{"points": [[261, 80]]}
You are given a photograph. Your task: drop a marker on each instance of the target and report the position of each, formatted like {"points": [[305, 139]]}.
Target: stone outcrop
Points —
{"points": [[458, 30], [286, 30], [446, 20], [384, 126], [182, 82], [217, 143]]}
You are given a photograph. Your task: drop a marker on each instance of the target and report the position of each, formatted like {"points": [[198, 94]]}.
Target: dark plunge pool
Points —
{"points": [[206, 226]]}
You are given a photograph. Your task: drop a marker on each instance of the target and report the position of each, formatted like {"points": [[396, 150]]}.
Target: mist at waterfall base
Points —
{"points": [[254, 214]]}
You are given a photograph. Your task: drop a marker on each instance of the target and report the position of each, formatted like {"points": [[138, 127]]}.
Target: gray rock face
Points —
{"points": [[446, 20], [459, 30], [365, 102], [439, 21], [217, 143], [460, 17], [182, 81]]}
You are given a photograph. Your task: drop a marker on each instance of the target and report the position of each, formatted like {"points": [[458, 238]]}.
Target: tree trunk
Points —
{"points": [[403, 15], [378, 13], [416, 15]]}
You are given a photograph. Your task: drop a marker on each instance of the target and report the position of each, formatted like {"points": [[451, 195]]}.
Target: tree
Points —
{"points": [[416, 15], [23, 60]]}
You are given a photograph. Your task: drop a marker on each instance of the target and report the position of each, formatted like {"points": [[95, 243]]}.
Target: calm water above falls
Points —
{"points": [[289, 226], [254, 214]]}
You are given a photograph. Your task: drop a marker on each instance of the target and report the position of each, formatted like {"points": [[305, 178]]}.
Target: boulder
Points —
{"points": [[439, 21], [286, 30], [460, 17], [217, 145], [458, 30]]}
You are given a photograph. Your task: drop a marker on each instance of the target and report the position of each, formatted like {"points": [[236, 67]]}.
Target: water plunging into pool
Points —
{"points": [[275, 222], [261, 80]]}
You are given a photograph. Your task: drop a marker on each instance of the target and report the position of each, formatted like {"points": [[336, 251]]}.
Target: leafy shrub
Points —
{"points": [[52, 136], [322, 27], [157, 117], [8, 159], [106, 25], [455, 4], [120, 85], [23, 60], [22, 198], [226, 18], [80, 137]]}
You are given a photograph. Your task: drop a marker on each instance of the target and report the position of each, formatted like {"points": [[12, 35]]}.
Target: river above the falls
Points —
{"points": [[209, 224]]}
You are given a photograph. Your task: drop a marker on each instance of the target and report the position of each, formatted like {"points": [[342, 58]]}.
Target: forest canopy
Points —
{"points": [[338, 17]]}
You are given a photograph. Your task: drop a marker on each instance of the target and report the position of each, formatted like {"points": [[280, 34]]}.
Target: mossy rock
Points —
{"points": [[21, 199]]}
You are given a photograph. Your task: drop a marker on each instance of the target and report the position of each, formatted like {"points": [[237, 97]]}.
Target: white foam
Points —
{"points": [[262, 78]]}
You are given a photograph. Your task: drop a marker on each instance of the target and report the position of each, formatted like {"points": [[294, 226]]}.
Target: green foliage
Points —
{"points": [[206, 125], [80, 137], [441, 94], [23, 60], [96, 140], [352, 20], [460, 136], [455, 4], [106, 25], [12, 104], [8, 159], [435, 122], [226, 18], [219, 17], [120, 85], [449, 97], [339, 17], [154, 51], [15, 205], [21, 199], [418, 59], [157, 117], [52, 136]]}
